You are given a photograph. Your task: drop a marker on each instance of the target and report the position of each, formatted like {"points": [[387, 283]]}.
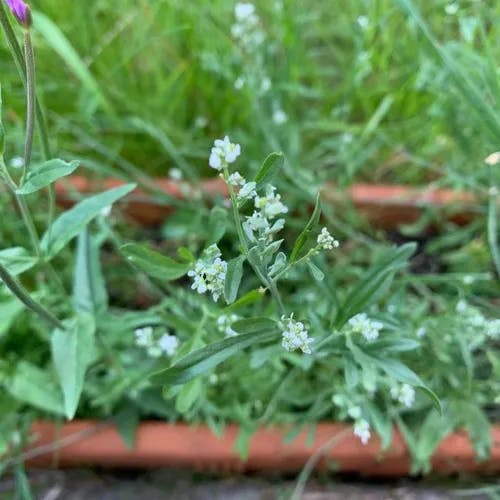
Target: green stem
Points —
{"points": [[23, 207], [493, 229], [30, 101], [22, 294], [236, 213]]}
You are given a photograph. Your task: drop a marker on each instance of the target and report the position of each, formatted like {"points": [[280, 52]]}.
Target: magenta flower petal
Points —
{"points": [[20, 10]]}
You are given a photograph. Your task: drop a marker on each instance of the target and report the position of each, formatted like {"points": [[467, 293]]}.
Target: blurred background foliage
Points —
{"points": [[368, 93]]}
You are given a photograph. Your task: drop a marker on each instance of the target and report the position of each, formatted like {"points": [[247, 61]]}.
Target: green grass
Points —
{"points": [[379, 103]]}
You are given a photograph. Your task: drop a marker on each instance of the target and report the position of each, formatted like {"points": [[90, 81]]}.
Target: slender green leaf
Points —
{"points": [[188, 395], [302, 239], [127, 422], [202, 360], [35, 387], [374, 283], [71, 222], [217, 225], [234, 274], [61, 45], [16, 260], [89, 290], [249, 298], [153, 263], [72, 352], [10, 308], [45, 174], [253, 325], [269, 169]]}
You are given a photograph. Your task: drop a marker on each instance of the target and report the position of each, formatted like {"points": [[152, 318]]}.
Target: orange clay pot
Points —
{"points": [[385, 206], [179, 445]]}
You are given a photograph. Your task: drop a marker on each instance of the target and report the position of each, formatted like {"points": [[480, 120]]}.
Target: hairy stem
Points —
{"points": [[30, 101]]}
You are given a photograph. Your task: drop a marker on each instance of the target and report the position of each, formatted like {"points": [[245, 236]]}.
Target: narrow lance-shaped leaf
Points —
{"points": [[234, 274], [153, 263], [45, 174], [72, 352], [89, 290], [269, 169], [260, 330], [71, 222], [302, 239], [374, 283], [16, 260]]}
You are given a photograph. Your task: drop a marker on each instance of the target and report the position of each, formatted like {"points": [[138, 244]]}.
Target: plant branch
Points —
{"points": [[22, 294], [30, 101]]}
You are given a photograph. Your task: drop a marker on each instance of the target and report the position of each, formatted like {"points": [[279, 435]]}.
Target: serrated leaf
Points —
{"points": [[269, 169], [70, 223], [89, 290], [16, 260], [153, 263], [41, 176], [302, 239], [374, 283], [234, 274], [202, 360], [72, 351]]}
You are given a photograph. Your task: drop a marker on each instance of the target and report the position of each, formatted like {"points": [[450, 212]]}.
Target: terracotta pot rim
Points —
{"points": [[195, 446], [384, 205]]}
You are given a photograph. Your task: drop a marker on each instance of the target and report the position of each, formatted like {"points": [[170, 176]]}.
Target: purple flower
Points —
{"points": [[21, 11]]}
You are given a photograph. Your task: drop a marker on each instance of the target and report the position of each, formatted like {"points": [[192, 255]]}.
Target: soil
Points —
{"points": [[184, 485]]}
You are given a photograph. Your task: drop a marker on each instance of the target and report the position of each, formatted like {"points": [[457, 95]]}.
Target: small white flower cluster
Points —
{"points": [[247, 189], [223, 152], [474, 319], [295, 335], [209, 273], [261, 224], [421, 332], [369, 328], [362, 430], [326, 241], [225, 323], [166, 344], [246, 28], [404, 394]]}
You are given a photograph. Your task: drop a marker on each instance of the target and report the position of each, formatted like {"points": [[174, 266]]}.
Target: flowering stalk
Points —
{"points": [[30, 101]]}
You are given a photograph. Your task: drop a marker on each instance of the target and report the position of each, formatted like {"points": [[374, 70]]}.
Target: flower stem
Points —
{"points": [[236, 213], [21, 293], [30, 101]]}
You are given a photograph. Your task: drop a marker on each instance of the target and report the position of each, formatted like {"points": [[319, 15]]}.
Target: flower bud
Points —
{"points": [[21, 12]]}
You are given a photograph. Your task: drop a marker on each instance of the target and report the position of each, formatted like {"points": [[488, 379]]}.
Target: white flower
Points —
{"points": [[243, 10], [492, 159], [468, 279], [257, 222], [461, 306], [270, 205], [168, 344], [265, 84], [209, 273], [236, 179], [493, 328], [363, 21], [421, 332], [17, 162], [361, 323], [144, 336], [201, 122], [451, 9], [239, 83], [224, 323], [279, 117], [175, 174], [362, 430], [326, 241], [354, 412], [247, 190], [105, 211], [295, 335], [404, 394], [223, 152]]}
